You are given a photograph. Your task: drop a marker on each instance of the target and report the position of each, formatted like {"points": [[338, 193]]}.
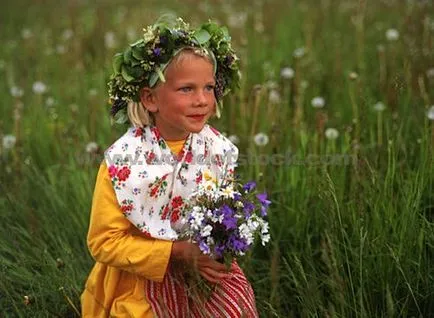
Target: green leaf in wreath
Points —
{"points": [[202, 36], [128, 55], [117, 63], [125, 74]]}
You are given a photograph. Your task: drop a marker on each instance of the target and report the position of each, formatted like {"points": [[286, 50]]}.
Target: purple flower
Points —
{"points": [[248, 208], [237, 244], [226, 210], [237, 196], [219, 250], [157, 51], [204, 247], [249, 186], [230, 222], [262, 197]]}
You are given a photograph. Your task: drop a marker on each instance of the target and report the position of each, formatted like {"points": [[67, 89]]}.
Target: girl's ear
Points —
{"points": [[148, 99]]}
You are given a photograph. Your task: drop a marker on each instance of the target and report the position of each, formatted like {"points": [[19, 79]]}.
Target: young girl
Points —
{"points": [[167, 85]]}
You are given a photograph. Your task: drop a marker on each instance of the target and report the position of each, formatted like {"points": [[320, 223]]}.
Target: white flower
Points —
{"points": [[261, 139], [149, 34], [430, 113], [299, 52], [196, 218], [430, 72], [17, 91], [92, 147], [110, 40], [67, 34], [234, 139], [239, 204], [39, 88], [331, 133], [392, 35], [274, 97], [379, 107], [246, 233], [287, 73], [318, 102], [228, 192], [9, 141], [206, 231], [265, 239], [26, 33]]}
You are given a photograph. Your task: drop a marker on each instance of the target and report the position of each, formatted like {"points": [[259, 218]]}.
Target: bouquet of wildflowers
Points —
{"points": [[226, 220]]}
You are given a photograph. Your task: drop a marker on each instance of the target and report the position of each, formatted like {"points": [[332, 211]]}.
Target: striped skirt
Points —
{"points": [[232, 297]]}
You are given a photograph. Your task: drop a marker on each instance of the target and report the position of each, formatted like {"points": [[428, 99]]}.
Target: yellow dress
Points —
{"points": [[125, 259]]}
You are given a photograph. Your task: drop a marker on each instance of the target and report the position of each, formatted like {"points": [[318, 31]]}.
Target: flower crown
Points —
{"points": [[143, 62]]}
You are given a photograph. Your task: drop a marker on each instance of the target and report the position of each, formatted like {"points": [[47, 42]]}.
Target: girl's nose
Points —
{"points": [[201, 99]]}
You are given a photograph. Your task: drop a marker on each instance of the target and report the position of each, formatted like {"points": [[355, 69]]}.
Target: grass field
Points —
{"points": [[335, 117]]}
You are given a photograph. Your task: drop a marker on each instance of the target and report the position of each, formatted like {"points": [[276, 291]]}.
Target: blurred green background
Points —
{"points": [[344, 89]]}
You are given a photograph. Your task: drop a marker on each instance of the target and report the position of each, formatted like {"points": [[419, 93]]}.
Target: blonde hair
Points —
{"points": [[138, 115]]}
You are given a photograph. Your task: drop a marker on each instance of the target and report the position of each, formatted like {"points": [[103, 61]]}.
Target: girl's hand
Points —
{"points": [[190, 254]]}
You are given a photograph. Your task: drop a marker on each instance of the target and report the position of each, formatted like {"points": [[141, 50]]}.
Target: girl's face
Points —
{"points": [[183, 104]]}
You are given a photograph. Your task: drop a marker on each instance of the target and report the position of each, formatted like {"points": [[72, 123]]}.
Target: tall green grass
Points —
{"points": [[351, 238]]}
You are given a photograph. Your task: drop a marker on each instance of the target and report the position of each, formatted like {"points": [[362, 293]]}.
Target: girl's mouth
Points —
{"points": [[197, 117]]}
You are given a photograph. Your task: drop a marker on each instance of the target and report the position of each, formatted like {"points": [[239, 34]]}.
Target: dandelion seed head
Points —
{"points": [[110, 40], [430, 72], [353, 76], [261, 139], [39, 88], [430, 113], [60, 49], [287, 73], [92, 147], [274, 96], [318, 102], [26, 33], [379, 107], [17, 91], [50, 101], [299, 52], [331, 133], [9, 141], [67, 34], [392, 35]]}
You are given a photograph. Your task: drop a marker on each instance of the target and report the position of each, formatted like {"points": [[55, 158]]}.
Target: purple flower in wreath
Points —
{"points": [[157, 51], [249, 186], [262, 197]]}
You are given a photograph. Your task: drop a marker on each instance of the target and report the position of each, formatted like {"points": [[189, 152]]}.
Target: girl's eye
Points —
{"points": [[210, 87], [185, 89]]}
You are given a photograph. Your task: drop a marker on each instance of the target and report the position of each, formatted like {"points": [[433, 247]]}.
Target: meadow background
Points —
{"points": [[343, 91]]}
